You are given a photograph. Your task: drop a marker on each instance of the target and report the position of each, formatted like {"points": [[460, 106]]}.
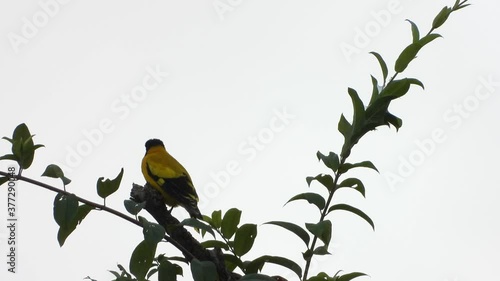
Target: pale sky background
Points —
{"points": [[71, 69]]}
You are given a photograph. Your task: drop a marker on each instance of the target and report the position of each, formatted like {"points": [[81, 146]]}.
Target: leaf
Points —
{"points": [[203, 270], [353, 183], [322, 229], [192, 222], [232, 262], [331, 161], [358, 108], [153, 232], [344, 127], [350, 276], [321, 250], [258, 263], [441, 17], [324, 179], [230, 222], [353, 210], [406, 56], [142, 259], [382, 63], [108, 187], [321, 277], [297, 230], [244, 239], [393, 120], [214, 244], [414, 31], [256, 277], [375, 91], [53, 171], [312, 198], [4, 180], [132, 207], [396, 89], [428, 38], [167, 271], [65, 211], [23, 148], [217, 219], [414, 81], [366, 164]]}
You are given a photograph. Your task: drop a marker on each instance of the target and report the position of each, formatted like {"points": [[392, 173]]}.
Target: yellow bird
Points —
{"points": [[168, 176]]}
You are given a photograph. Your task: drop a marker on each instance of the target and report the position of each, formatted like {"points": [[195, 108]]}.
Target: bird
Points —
{"points": [[164, 173]]}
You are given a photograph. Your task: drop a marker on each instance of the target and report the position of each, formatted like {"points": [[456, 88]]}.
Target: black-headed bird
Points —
{"points": [[169, 177]]}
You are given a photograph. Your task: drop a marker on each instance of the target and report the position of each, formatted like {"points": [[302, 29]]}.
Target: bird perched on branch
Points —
{"points": [[170, 178]]}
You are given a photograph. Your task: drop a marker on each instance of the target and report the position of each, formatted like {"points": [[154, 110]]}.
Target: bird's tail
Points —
{"points": [[193, 211]]}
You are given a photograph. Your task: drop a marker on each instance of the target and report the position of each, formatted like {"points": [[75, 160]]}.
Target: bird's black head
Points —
{"points": [[153, 142]]}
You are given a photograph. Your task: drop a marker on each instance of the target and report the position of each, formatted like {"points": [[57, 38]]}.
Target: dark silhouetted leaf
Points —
{"points": [[322, 229], [133, 207], [108, 187], [324, 179], [192, 222], [203, 270], [366, 164], [297, 230], [331, 161], [142, 259], [353, 210], [53, 171], [382, 63], [414, 31], [353, 183], [230, 222], [257, 264], [244, 239], [312, 198]]}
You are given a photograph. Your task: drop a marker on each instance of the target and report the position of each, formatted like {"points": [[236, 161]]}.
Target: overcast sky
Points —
{"points": [[243, 94]]}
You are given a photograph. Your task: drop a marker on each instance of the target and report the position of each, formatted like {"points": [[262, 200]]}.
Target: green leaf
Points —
{"points": [[428, 38], [322, 229], [350, 276], [321, 250], [358, 108], [232, 262], [53, 171], [108, 187], [297, 230], [142, 259], [167, 271], [331, 161], [366, 164], [353, 183], [203, 270], [382, 63], [312, 198], [344, 127], [258, 263], [230, 222], [441, 17], [256, 277], [217, 219], [395, 89], [414, 81], [153, 232], [375, 91], [324, 179], [23, 148], [132, 207], [393, 120], [244, 239], [353, 210], [321, 277], [3, 180], [192, 222], [414, 31], [406, 56], [214, 244], [65, 211], [83, 211]]}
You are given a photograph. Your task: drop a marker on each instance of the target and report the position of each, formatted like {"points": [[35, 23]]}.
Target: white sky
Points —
{"points": [[79, 69]]}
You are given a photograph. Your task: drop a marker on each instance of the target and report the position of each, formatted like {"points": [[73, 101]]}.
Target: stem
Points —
{"points": [[322, 217], [95, 205]]}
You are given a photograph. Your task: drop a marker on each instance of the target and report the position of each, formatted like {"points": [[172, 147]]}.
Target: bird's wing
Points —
{"points": [[175, 182]]}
